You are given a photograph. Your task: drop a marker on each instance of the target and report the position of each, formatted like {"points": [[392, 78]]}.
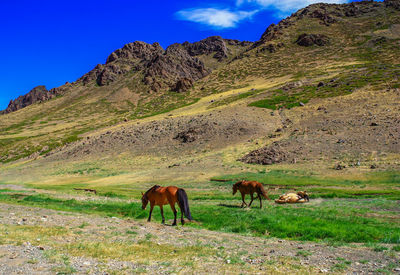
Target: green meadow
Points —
{"points": [[341, 210]]}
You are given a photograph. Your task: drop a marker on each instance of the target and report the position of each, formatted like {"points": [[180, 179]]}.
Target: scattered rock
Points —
{"points": [[339, 166], [183, 85], [271, 48], [292, 85], [187, 136], [308, 40], [266, 156], [377, 41]]}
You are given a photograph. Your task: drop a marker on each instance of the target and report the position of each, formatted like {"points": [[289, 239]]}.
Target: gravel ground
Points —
{"points": [[27, 258]]}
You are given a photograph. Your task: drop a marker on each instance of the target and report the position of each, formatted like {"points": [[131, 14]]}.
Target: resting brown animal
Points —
{"points": [[299, 197], [250, 187]]}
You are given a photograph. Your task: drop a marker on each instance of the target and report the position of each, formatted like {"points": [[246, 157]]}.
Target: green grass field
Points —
{"points": [[341, 210]]}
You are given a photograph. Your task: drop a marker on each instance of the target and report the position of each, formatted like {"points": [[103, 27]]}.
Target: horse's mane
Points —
{"points": [[239, 182], [150, 190]]}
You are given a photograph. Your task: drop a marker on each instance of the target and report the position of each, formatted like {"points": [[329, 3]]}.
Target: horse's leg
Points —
{"points": [[259, 196], [252, 198], [151, 210], [173, 210], [182, 219], [162, 214], [243, 202]]}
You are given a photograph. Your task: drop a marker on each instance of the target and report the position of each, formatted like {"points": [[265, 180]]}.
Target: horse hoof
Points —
{"points": [[183, 222], [174, 224]]}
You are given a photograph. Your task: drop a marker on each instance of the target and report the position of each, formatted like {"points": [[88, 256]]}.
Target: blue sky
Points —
{"points": [[45, 42]]}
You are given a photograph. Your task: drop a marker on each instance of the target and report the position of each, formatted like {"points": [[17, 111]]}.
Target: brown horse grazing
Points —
{"points": [[250, 187], [160, 196]]}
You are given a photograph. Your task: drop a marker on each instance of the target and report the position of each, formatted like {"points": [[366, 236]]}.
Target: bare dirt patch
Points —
{"points": [[228, 252], [360, 128]]}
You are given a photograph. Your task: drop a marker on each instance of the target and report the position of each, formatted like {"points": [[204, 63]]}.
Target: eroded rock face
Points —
{"points": [[37, 94], [132, 57], [307, 40], [165, 70], [162, 69], [136, 50], [212, 44]]}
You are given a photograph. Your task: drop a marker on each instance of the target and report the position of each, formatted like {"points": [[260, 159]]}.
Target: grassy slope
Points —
{"points": [[42, 127]]}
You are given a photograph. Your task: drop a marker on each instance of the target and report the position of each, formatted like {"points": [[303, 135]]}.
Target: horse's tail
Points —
{"points": [[184, 203], [263, 192]]}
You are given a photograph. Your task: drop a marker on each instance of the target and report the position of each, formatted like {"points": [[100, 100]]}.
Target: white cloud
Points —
{"points": [[219, 18], [288, 5]]}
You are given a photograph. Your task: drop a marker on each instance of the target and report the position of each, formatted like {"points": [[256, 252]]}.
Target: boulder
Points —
{"points": [[183, 85], [307, 40]]}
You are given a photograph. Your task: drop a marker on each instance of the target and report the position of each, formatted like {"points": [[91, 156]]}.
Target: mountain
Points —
{"points": [[305, 91], [175, 68]]}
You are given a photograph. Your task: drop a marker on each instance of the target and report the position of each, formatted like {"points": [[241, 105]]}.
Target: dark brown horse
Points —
{"points": [[250, 187], [160, 196]]}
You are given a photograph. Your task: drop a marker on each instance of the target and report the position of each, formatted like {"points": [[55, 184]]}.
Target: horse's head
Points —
{"points": [[145, 201], [235, 187], [304, 195]]}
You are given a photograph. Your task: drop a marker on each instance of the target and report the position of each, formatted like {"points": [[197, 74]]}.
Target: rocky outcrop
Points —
{"points": [[132, 57], [183, 85], [176, 68], [137, 50], [327, 14], [212, 45], [165, 70], [392, 4], [307, 40], [271, 48], [266, 156], [37, 94]]}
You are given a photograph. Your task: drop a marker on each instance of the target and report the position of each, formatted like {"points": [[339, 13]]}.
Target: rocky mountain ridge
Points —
{"points": [[36, 95], [179, 66], [175, 68]]}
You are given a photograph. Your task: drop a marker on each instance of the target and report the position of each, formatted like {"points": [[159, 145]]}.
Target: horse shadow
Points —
{"points": [[229, 205]]}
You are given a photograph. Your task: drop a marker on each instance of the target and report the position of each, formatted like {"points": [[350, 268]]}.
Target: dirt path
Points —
{"points": [[27, 248]]}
